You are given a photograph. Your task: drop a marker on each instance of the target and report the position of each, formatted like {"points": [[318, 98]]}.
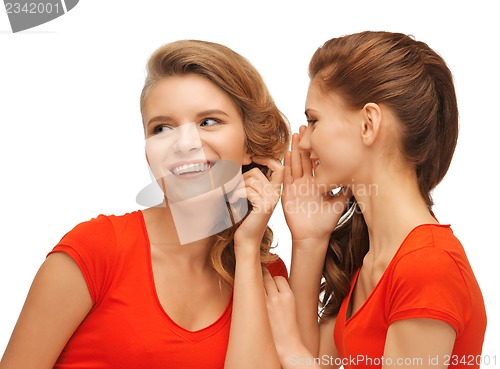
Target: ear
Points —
{"points": [[370, 125]]}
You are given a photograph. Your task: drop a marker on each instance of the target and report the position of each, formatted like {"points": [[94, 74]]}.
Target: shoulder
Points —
{"points": [[100, 230], [428, 279], [277, 268], [430, 235], [430, 251], [95, 229], [93, 245]]}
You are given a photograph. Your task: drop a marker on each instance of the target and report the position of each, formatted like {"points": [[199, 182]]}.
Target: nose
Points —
{"points": [[305, 136], [187, 138]]}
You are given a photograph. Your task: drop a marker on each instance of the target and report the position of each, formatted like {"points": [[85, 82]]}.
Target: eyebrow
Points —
{"points": [[210, 112], [309, 111], [165, 118], [160, 118]]}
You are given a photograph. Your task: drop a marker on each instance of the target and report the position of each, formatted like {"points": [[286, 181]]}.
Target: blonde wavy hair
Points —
{"points": [[266, 129]]}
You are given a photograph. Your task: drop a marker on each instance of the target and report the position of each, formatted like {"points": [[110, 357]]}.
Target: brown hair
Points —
{"points": [[266, 129], [415, 83]]}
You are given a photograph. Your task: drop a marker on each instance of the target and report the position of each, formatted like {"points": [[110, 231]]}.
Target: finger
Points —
{"points": [[282, 284], [255, 173], [305, 158], [262, 197], [302, 130], [254, 199], [238, 194], [296, 164], [287, 175], [271, 163], [233, 183], [258, 182], [258, 185], [276, 167], [259, 203], [253, 196], [269, 284]]}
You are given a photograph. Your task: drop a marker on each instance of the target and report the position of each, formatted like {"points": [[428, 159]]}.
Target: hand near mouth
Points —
{"points": [[309, 211]]}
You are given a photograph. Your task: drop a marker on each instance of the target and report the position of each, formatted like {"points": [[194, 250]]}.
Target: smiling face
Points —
{"points": [[332, 138], [194, 135]]}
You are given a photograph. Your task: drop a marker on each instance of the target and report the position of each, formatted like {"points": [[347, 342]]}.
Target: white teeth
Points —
{"points": [[190, 168]]}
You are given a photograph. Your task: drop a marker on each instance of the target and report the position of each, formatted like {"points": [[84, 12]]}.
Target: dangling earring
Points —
{"points": [[336, 191]]}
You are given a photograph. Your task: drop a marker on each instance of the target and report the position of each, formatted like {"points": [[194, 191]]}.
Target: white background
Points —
{"points": [[71, 143]]}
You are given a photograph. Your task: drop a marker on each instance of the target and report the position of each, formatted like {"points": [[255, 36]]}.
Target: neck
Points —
{"points": [[201, 216], [392, 206], [162, 229]]}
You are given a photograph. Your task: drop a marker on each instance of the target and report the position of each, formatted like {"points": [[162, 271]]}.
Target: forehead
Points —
{"points": [[318, 95], [187, 95]]}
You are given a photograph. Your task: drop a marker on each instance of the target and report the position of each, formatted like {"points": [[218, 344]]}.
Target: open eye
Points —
{"points": [[208, 122], [162, 128]]}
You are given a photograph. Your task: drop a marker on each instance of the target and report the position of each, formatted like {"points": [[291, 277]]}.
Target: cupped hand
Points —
{"points": [[310, 211]]}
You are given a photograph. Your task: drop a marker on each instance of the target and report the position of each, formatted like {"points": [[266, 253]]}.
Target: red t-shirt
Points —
{"points": [[127, 326], [429, 277]]}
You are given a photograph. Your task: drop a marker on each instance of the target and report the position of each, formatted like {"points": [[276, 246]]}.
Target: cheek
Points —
{"points": [[338, 153], [229, 146], [157, 156]]}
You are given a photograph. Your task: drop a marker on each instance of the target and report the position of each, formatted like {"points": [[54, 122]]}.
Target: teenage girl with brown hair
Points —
{"points": [[397, 286]]}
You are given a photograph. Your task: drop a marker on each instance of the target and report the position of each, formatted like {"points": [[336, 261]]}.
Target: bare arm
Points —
{"points": [[414, 343], [56, 304], [311, 216], [251, 343], [327, 349], [411, 343], [291, 350], [308, 257]]}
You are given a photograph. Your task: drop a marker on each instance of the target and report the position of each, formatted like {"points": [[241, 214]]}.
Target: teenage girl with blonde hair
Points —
{"points": [[125, 291]]}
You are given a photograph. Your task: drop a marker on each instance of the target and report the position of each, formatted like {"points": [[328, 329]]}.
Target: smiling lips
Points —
{"points": [[190, 168]]}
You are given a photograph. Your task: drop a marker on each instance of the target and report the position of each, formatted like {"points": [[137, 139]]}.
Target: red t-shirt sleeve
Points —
{"points": [[92, 245], [427, 283], [277, 268]]}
